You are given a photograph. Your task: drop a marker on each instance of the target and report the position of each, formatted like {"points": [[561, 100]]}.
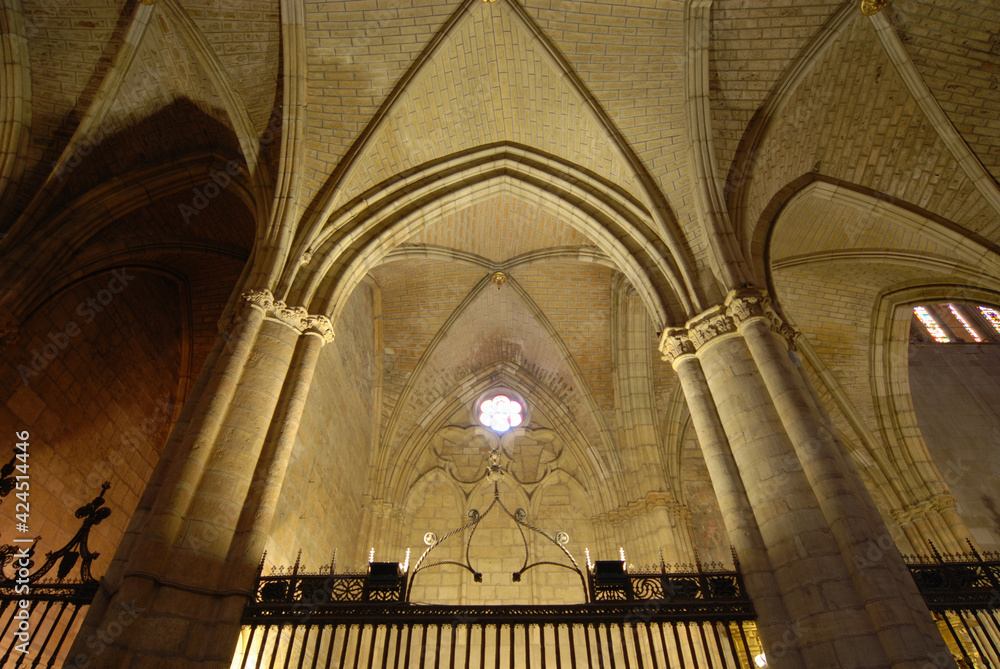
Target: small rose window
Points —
{"points": [[500, 413]]}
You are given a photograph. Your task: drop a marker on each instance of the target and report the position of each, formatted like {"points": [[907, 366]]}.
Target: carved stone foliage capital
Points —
{"points": [[674, 344], [320, 325], [297, 318], [751, 303], [709, 328]]}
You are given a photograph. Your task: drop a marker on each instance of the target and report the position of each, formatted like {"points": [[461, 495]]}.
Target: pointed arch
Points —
{"points": [[663, 226], [368, 228]]}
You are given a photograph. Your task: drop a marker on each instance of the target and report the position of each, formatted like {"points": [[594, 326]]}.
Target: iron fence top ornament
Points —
{"points": [[75, 554]]}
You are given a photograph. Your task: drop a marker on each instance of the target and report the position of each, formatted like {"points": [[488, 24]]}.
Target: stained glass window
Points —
{"points": [[500, 413], [932, 326], [991, 315], [965, 324]]}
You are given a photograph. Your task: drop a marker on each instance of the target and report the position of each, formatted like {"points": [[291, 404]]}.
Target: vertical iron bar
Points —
{"points": [[987, 633], [409, 642], [677, 643], [975, 641], [510, 659], [423, 645], [694, 653], [482, 646], [704, 644], [496, 653], [263, 643], [62, 639], [52, 629], [305, 642], [277, 643], [555, 629], [663, 643], [319, 642], [621, 633], [437, 652], [37, 625], [291, 643], [652, 646], [385, 646], [572, 646], [746, 646], [586, 639], [329, 647], [246, 653], [718, 644], [399, 633], [541, 636], [638, 646], [611, 645], [343, 649], [954, 635], [597, 642], [468, 644], [357, 646], [454, 644], [527, 646], [371, 646]]}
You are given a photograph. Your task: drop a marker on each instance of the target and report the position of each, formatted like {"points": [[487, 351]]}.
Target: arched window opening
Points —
{"points": [[954, 322]]}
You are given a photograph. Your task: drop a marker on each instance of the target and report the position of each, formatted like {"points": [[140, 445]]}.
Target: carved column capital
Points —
{"points": [[749, 303], [297, 318], [321, 327], [712, 324], [675, 343], [744, 305]]}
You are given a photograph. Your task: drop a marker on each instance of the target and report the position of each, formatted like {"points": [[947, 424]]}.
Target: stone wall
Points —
{"points": [[955, 389]]}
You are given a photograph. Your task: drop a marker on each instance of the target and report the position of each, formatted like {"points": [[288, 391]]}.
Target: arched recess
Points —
{"points": [[362, 233], [53, 243], [847, 249], [975, 250], [98, 379], [391, 483], [599, 427], [893, 392]]}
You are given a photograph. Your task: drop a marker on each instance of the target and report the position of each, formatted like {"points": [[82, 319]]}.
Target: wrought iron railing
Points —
{"points": [[41, 608], [698, 618], [963, 593]]}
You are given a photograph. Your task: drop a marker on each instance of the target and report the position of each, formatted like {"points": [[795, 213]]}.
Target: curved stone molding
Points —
{"points": [[297, 318]]}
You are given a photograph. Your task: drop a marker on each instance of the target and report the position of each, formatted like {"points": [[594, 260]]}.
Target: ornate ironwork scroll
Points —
{"points": [[62, 584], [495, 472]]}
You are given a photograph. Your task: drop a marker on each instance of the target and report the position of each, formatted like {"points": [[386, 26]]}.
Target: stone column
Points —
{"points": [[809, 504], [773, 620], [184, 577], [884, 585]]}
